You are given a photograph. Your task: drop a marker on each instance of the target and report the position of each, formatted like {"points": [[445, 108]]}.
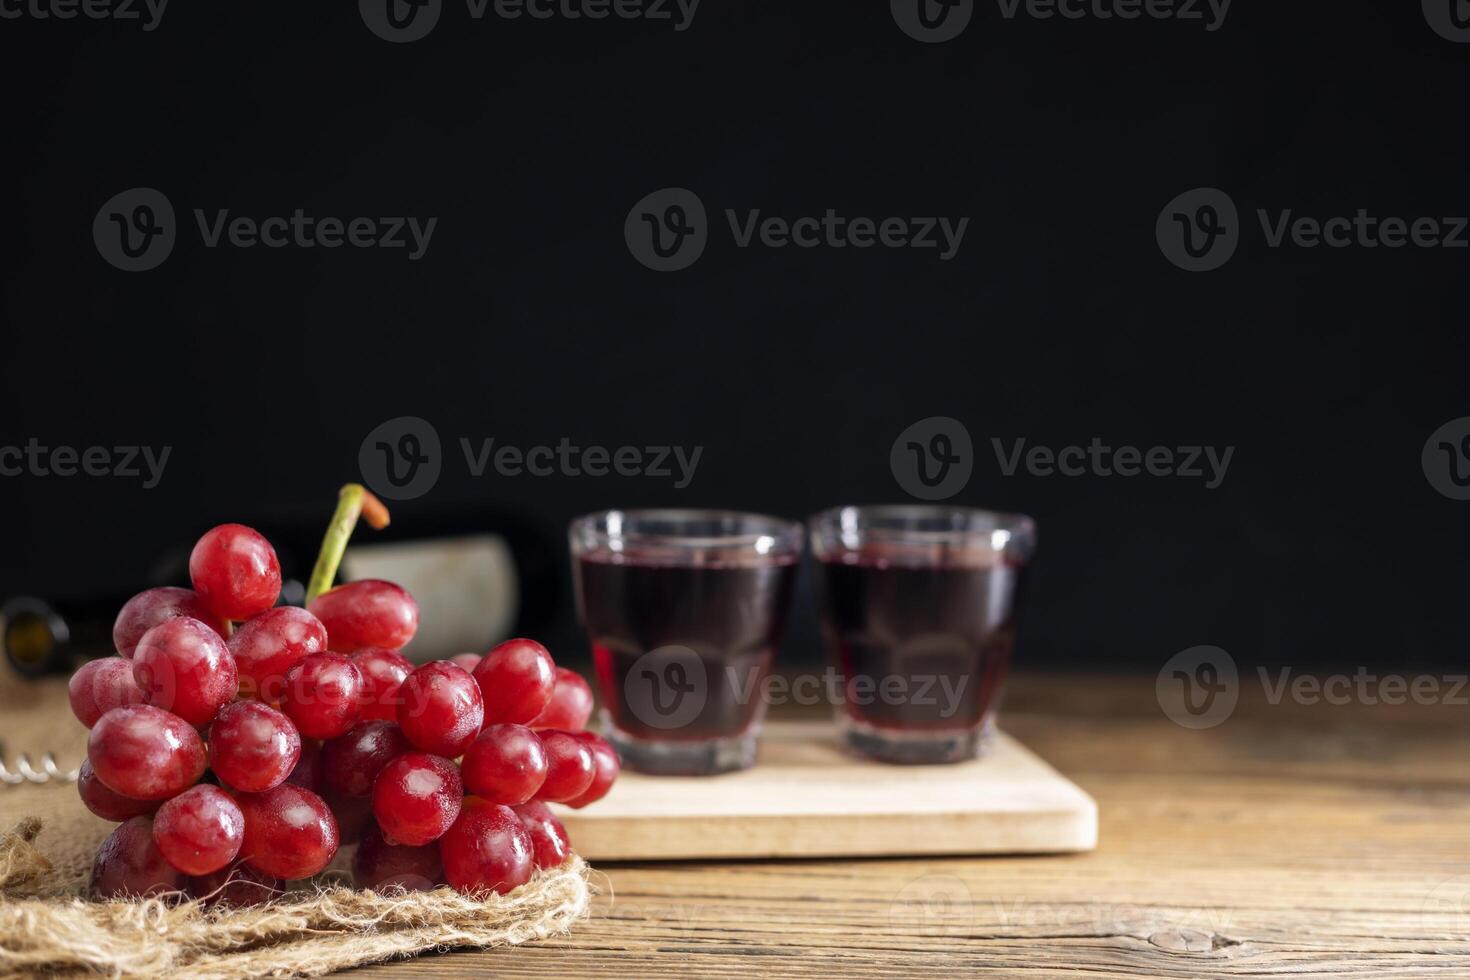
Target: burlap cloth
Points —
{"points": [[48, 839]]}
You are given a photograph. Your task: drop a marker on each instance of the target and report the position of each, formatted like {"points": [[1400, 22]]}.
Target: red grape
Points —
{"points": [[289, 832], [128, 864], [147, 609], [506, 764], [570, 705], [253, 747], [570, 768], [383, 673], [323, 694], [235, 571], [200, 830], [416, 797], [367, 613], [268, 645], [183, 666], [352, 762], [236, 886], [607, 765], [441, 709], [101, 685], [307, 772], [145, 753], [487, 849], [381, 865], [549, 841], [104, 802], [466, 661], [517, 679]]}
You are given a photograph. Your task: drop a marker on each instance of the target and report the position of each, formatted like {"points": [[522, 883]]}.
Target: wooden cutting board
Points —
{"points": [[808, 798]]}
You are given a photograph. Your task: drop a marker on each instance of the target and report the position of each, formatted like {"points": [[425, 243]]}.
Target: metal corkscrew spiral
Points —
{"points": [[24, 772]]}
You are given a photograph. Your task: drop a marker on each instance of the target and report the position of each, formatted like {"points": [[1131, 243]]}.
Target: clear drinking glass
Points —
{"points": [[684, 610], [919, 619]]}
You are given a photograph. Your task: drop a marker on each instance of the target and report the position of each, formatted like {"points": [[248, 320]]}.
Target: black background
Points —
{"points": [[529, 321]]}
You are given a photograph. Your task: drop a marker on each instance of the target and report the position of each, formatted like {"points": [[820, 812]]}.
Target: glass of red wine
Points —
{"points": [[684, 610], [919, 611]]}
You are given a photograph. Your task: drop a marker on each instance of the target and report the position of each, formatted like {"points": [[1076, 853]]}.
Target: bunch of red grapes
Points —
{"points": [[240, 757]]}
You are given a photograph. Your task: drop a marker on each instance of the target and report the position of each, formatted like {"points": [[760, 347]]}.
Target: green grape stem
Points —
{"points": [[353, 501]]}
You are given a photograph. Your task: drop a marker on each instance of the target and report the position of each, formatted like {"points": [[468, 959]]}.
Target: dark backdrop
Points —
{"points": [[528, 319]]}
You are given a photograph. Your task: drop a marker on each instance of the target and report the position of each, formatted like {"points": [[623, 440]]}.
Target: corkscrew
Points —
{"points": [[24, 772]]}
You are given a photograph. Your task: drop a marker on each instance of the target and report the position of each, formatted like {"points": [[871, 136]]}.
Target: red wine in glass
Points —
{"points": [[919, 617], [684, 611]]}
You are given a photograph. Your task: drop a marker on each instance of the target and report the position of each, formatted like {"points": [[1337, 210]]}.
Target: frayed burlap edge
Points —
{"points": [[304, 934]]}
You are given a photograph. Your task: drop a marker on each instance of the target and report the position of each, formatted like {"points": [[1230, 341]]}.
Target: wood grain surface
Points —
{"points": [[1294, 841], [808, 798]]}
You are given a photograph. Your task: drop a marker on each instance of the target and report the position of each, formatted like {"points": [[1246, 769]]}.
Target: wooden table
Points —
{"points": [[1291, 840]]}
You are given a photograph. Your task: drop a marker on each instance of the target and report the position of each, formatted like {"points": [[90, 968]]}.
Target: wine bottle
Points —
{"points": [[478, 576]]}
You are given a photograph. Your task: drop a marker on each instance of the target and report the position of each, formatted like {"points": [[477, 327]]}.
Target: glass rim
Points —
{"points": [[761, 534], [833, 530]]}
